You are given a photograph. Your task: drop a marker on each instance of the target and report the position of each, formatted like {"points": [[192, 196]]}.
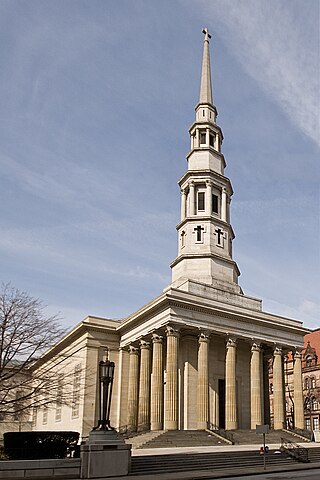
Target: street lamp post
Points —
{"points": [[106, 375]]}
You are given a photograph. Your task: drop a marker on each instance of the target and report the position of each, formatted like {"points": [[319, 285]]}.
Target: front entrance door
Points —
{"points": [[222, 402]]}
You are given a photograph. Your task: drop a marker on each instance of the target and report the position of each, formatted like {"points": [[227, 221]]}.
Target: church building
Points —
{"points": [[198, 355]]}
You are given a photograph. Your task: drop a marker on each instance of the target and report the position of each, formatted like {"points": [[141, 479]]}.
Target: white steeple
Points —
{"points": [[205, 234]]}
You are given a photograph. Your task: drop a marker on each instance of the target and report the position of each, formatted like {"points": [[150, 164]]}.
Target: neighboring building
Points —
{"points": [[310, 359], [197, 355], [311, 379]]}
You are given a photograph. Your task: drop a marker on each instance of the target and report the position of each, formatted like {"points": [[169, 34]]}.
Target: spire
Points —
{"points": [[206, 88]]}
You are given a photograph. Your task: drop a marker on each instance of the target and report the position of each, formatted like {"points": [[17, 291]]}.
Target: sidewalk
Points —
{"points": [[212, 449]]}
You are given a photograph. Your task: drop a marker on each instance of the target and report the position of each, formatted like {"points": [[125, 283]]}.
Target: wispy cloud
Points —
{"points": [[273, 46]]}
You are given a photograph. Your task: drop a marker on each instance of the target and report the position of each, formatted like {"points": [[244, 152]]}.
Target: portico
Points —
{"points": [[199, 340]]}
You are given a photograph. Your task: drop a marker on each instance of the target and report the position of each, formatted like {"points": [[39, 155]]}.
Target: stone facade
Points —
{"points": [[196, 356]]}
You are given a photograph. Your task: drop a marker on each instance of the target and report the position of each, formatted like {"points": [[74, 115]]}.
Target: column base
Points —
{"points": [[231, 425], [169, 425], [278, 425], [156, 426], [202, 425]]}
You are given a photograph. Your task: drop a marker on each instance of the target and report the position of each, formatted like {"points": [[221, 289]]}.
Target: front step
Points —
{"points": [[153, 464], [184, 438], [249, 437]]}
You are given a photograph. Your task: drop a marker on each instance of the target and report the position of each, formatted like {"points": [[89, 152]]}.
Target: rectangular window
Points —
{"points": [[201, 201], [214, 203], [211, 140], [316, 424], [202, 138], [59, 399], [76, 391], [308, 423]]}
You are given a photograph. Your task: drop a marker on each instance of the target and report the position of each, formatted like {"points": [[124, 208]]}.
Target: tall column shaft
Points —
{"points": [[133, 388], [224, 204], [157, 384], [192, 198], [256, 386], [203, 382], [298, 392], [231, 387], [171, 397], [278, 390], [144, 387]]}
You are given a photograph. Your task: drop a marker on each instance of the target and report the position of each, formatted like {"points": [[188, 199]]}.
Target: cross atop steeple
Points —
{"points": [[207, 35]]}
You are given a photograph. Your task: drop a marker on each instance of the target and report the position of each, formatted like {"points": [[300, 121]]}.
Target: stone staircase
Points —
{"points": [[249, 437], [181, 438], [138, 440], [153, 464]]}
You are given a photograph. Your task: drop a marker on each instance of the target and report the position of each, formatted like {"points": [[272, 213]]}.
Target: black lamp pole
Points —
{"points": [[106, 374]]}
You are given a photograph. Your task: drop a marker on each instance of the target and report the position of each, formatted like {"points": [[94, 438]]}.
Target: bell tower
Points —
{"points": [[205, 234]]}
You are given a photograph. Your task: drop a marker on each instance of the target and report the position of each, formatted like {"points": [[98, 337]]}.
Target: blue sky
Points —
{"points": [[96, 98]]}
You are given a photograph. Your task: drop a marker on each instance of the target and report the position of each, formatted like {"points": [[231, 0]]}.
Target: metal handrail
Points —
{"points": [[298, 453], [222, 432]]}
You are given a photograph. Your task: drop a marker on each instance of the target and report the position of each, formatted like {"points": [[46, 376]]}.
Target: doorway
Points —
{"points": [[222, 402]]}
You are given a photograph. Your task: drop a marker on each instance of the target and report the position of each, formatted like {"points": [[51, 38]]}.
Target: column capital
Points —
{"points": [[133, 350], [156, 338], [183, 191], [231, 342], [172, 331], [256, 347], [209, 182], [224, 189], [144, 344], [191, 183], [297, 353], [277, 350], [204, 336]]}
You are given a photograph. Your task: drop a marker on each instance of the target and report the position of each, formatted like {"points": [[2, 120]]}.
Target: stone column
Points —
{"points": [[231, 387], [278, 390], [183, 204], [209, 198], [231, 393], [171, 397], [144, 387], [191, 198], [133, 388], [203, 382], [157, 384], [298, 392], [256, 386], [224, 204], [207, 136], [197, 141]]}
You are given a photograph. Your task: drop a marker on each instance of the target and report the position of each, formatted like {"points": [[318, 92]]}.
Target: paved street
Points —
{"points": [[301, 475]]}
